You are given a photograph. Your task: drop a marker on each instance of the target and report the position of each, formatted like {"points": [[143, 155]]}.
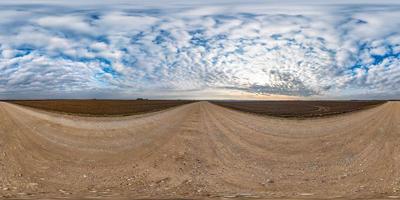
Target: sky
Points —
{"points": [[200, 49]]}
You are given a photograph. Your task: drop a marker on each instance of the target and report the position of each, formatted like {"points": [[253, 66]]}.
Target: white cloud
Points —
{"points": [[117, 22], [295, 50], [66, 23]]}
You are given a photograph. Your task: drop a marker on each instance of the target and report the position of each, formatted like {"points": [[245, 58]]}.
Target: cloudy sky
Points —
{"points": [[201, 50]]}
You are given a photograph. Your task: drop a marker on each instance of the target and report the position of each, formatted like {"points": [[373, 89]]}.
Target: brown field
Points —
{"points": [[301, 109], [101, 107], [199, 151], [298, 109]]}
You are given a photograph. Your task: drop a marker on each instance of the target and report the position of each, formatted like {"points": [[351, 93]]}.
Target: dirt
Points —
{"points": [[199, 150], [101, 107], [298, 109]]}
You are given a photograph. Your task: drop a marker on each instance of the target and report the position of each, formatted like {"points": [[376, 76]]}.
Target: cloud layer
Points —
{"points": [[123, 50]]}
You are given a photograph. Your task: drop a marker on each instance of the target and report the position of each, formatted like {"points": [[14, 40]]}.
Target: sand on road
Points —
{"points": [[199, 150]]}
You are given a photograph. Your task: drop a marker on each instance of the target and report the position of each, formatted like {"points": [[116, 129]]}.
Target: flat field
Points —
{"points": [[101, 107], [298, 109]]}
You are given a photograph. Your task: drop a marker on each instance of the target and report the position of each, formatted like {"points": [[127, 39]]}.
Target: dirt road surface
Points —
{"points": [[199, 150]]}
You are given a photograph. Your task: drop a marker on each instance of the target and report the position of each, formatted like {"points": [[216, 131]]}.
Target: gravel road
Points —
{"points": [[199, 150]]}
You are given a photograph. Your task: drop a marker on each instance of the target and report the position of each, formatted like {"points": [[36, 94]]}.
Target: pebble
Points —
{"points": [[270, 181], [63, 191], [32, 184], [343, 176], [239, 195], [230, 196], [306, 194], [244, 195], [6, 188], [393, 197]]}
